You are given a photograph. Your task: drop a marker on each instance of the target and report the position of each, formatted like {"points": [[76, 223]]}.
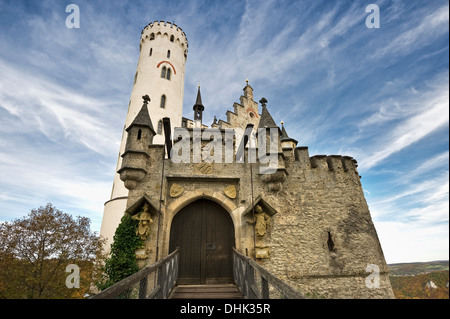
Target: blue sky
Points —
{"points": [[379, 95]]}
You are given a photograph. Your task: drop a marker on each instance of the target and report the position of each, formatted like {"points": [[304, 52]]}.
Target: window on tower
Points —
{"points": [[168, 54], [168, 74], [172, 38], [163, 72], [152, 36], [160, 124], [151, 51], [163, 101]]}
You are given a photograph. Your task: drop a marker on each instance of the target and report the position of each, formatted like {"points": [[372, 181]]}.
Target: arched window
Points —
{"points": [[151, 51], [160, 127], [168, 54], [172, 38], [168, 74], [163, 101], [163, 72], [152, 36]]}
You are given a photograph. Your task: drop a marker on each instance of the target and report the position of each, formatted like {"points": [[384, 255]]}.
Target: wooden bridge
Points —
{"points": [[159, 281]]}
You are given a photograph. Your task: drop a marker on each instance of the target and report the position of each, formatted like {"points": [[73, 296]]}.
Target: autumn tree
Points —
{"points": [[35, 251]]}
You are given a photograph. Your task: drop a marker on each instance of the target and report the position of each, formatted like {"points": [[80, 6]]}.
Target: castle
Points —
{"points": [[240, 183]]}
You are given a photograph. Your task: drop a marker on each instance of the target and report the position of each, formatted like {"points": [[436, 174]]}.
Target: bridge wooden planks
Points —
{"points": [[226, 291]]}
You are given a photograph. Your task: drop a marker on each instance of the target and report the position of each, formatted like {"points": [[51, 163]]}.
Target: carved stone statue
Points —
{"points": [[145, 221], [261, 221]]}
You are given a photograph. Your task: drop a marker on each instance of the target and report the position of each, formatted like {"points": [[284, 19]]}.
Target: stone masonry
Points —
{"points": [[318, 235]]}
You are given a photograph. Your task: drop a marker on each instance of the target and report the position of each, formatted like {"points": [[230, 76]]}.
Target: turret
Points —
{"points": [[272, 166], [286, 141], [140, 136]]}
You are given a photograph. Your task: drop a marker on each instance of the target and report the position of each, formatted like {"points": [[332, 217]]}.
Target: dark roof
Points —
{"points": [[283, 131], [142, 119], [266, 120], [198, 102], [285, 136]]}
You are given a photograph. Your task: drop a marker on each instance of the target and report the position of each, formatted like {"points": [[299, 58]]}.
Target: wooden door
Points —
{"points": [[205, 234]]}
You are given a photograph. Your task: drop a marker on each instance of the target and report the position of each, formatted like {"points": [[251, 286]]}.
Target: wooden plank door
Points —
{"points": [[205, 234]]}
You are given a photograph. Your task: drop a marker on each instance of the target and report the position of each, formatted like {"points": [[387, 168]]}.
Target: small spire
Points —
{"points": [[198, 106], [142, 118], [283, 131], [266, 120]]}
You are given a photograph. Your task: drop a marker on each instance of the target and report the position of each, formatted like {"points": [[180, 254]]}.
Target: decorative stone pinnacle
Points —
{"points": [[146, 98], [263, 101]]}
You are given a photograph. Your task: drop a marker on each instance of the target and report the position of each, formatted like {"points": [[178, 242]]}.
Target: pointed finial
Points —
{"points": [[246, 80], [146, 98], [263, 101]]}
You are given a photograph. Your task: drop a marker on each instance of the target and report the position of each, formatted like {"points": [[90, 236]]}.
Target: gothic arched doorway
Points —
{"points": [[204, 232]]}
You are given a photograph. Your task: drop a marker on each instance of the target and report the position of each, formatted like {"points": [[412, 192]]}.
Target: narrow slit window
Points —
{"points": [[163, 72], [151, 51], [330, 242], [163, 102], [160, 124], [168, 54], [168, 74], [139, 135]]}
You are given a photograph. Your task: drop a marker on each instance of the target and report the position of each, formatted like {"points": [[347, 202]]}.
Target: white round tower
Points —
{"points": [[159, 74]]}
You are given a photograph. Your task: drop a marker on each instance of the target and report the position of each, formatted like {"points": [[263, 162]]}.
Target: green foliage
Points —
{"points": [[36, 249], [414, 287], [122, 262]]}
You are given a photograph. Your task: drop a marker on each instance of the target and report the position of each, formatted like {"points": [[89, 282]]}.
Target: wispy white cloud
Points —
{"points": [[420, 115], [417, 34], [55, 111]]}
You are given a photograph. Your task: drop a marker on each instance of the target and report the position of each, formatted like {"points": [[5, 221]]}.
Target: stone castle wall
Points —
{"points": [[321, 237]]}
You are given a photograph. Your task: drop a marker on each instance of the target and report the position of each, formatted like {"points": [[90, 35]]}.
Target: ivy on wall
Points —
{"points": [[122, 262]]}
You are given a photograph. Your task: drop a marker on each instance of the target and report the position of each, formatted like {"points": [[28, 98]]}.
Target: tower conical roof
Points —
{"points": [[285, 136], [142, 118], [283, 132], [266, 120], [198, 102]]}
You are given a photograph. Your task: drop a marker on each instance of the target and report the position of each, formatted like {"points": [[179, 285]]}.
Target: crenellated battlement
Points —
{"points": [[332, 163], [167, 30]]}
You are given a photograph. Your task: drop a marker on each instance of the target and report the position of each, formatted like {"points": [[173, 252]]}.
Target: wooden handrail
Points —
{"points": [[244, 276], [115, 290]]}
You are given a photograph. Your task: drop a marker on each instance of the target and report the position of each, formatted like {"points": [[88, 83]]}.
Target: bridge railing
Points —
{"points": [[255, 282], [155, 281]]}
